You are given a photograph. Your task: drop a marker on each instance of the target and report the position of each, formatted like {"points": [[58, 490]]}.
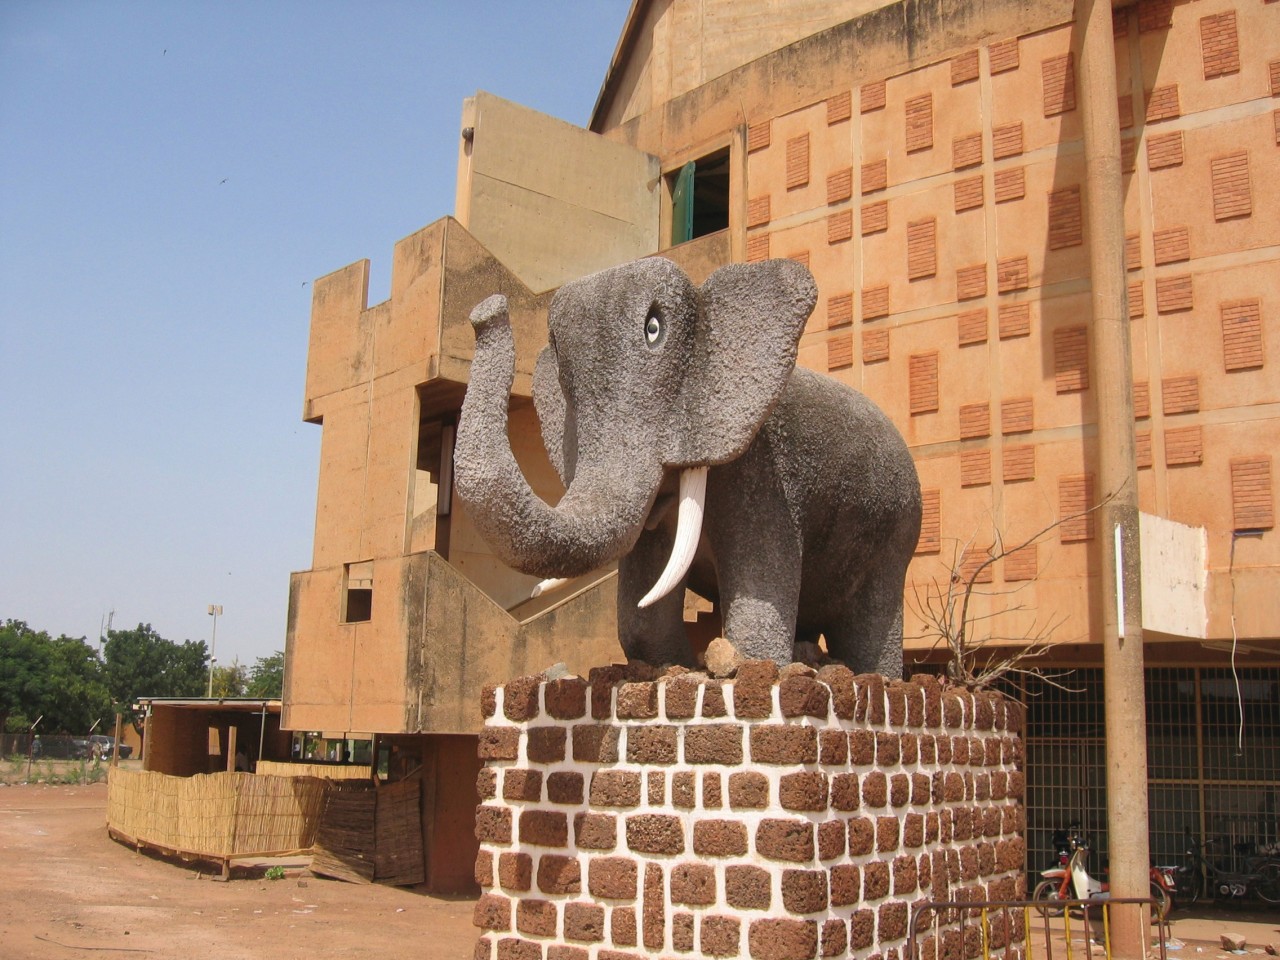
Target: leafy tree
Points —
{"points": [[266, 679], [61, 679], [230, 681], [141, 663]]}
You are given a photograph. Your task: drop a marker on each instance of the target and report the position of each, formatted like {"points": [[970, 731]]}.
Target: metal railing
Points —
{"points": [[966, 930]]}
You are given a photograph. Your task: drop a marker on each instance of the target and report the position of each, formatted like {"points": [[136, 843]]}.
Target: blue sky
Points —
{"points": [[173, 177]]}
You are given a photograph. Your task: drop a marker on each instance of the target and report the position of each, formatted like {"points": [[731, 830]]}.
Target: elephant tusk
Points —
{"points": [[693, 493], [546, 586]]}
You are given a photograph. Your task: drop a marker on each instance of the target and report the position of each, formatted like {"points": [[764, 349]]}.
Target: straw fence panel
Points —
{"points": [[329, 771], [216, 814]]}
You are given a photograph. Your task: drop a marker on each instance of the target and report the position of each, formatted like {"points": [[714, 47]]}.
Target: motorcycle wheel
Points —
{"points": [[1269, 882], [1045, 893], [1163, 904]]}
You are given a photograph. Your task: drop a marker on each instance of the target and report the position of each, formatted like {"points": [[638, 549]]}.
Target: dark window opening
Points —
{"points": [[357, 598], [700, 197]]}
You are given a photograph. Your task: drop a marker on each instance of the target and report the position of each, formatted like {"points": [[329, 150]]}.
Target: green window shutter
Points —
{"points": [[682, 205]]}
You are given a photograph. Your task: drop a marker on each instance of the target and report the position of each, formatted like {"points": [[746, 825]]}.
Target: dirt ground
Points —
{"points": [[69, 892]]}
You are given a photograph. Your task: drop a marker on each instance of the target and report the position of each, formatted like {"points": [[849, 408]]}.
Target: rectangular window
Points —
{"points": [[699, 197], [357, 592]]}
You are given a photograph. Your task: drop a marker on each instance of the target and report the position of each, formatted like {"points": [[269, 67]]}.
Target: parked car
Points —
{"points": [[61, 748], [102, 746]]}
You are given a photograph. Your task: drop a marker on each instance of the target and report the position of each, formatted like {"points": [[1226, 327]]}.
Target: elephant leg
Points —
{"points": [[757, 554], [869, 639], [655, 634]]}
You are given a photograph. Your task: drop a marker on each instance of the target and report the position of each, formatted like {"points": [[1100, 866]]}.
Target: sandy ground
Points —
{"points": [[69, 892]]}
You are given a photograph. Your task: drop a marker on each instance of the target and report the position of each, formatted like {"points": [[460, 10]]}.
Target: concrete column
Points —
{"points": [[1112, 376]]}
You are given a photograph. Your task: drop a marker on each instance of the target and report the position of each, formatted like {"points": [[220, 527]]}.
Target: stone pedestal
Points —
{"points": [[773, 817]]}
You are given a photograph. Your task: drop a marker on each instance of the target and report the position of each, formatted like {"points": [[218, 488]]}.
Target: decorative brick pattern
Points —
{"points": [[875, 302], [1133, 252], [875, 176], [839, 107], [813, 868], [1066, 219], [919, 122], [1021, 564], [1141, 400], [1058, 80], [975, 468], [1071, 359], [922, 249], [968, 193], [875, 346], [1180, 394], [1172, 245], [1017, 415], [1010, 184], [840, 352], [1128, 154], [839, 310], [975, 566], [840, 185], [1274, 69], [1163, 104], [1014, 320], [964, 68], [1241, 334], [758, 247], [1174, 294], [1164, 150], [1012, 273], [1184, 445], [1252, 500], [1019, 463], [1142, 450], [1232, 192], [1075, 513], [1155, 15], [971, 282], [971, 326], [798, 161], [872, 96], [839, 226], [1136, 296], [930, 522], [922, 382], [975, 420], [759, 135], [966, 151], [1219, 44], [875, 217], [800, 256], [759, 211], [1003, 55], [1006, 140], [1124, 109]]}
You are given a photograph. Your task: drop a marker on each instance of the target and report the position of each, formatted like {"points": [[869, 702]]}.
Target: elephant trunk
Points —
{"points": [[601, 514]]}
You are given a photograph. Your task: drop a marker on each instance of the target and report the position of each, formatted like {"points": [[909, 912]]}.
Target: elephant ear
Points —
{"points": [[553, 413], [750, 320]]}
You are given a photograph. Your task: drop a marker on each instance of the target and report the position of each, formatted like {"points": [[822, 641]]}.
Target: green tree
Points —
{"points": [[141, 663], [266, 678], [230, 681], [61, 679]]}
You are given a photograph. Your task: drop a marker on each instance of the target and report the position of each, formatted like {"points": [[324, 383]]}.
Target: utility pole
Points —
{"points": [[215, 611], [1118, 540]]}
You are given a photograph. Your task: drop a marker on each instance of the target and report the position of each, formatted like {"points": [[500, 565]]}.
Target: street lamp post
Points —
{"points": [[215, 610]]}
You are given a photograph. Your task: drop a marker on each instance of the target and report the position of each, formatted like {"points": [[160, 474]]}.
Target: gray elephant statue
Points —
{"points": [[695, 453]]}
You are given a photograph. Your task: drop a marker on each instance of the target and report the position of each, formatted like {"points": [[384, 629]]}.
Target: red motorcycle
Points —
{"points": [[1071, 881]]}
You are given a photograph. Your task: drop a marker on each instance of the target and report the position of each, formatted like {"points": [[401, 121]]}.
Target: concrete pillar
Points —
{"points": [[1110, 361]]}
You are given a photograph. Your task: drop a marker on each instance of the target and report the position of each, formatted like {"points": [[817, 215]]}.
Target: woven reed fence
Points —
{"points": [[216, 815], [328, 771]]}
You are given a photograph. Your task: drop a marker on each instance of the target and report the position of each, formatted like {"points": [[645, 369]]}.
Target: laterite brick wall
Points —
{"points": [[778, 817]]}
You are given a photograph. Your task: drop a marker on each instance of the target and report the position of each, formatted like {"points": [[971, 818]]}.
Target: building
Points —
{"points": [[928, 161]]}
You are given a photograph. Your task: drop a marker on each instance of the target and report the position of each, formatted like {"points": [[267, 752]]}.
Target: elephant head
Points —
{"points": [[644, 374]]}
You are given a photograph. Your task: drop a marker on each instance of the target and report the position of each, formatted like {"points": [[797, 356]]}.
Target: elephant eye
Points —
{"points": [[653, 328]]}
